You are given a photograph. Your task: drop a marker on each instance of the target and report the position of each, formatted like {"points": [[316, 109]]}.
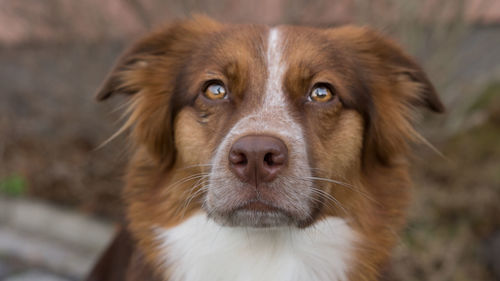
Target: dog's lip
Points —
{"points": [[258, 206], [261, 206]]}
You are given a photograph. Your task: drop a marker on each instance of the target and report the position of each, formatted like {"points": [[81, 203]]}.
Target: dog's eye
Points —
{"points": [[215, 91], [321, 93]]}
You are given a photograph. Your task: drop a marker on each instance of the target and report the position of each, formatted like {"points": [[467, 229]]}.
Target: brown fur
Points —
{"points": [[361, 138]]}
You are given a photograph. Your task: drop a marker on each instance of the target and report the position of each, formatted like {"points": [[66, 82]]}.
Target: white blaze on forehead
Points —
{"points": [[272, 115], [274, 95]]}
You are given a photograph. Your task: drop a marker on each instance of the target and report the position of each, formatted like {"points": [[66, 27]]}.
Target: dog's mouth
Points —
{"points": [[258, 206], [255, 213]]}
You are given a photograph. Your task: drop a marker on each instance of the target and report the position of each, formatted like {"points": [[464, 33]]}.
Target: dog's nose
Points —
{"points": [[258, 158]]}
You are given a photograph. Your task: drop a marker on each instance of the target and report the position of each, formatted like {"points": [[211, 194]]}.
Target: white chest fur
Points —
{"points": [[201, 250]]}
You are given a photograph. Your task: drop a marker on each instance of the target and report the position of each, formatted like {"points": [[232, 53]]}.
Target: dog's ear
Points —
{"points": [[383, 59], [133, 59], [408, 89], [148, 72], [413, 83], [395, 87], [170, 41], [132, 62]]}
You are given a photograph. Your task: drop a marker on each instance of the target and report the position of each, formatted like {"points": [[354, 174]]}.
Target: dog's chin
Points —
{"points": [[256, 216], [257, 219]]}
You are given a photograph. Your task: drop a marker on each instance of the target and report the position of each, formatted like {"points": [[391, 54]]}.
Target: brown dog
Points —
{"points": [[264, 153]]}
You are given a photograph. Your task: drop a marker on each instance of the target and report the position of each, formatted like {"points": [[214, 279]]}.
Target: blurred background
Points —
{"points": [[59, 193]]}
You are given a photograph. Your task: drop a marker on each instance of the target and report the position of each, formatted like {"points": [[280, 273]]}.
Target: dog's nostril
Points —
{"points": [[238, 158], [243, 160], [268, 158], [276, 158]]}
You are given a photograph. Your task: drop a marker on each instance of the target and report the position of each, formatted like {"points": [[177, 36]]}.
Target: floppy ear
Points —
{"points": [[133, 59], [414, 84], [172, 41], [409, 89], [148, 73], [397, 87]]}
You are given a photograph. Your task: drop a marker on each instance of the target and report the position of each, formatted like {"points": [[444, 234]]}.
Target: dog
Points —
{"points": [[264, 153]]}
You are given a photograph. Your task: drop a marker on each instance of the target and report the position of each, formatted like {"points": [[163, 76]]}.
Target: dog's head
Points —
{"points": [[265, 127]]}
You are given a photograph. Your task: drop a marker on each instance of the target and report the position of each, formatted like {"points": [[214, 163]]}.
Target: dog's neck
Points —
{"points": [[199, 249]]}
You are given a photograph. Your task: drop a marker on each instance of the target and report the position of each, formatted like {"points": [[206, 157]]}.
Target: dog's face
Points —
{"points": [[268, 119], [268, 127]]}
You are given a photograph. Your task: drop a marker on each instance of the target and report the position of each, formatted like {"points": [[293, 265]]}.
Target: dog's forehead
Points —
{"points": [[261, 58], [295, 42]]}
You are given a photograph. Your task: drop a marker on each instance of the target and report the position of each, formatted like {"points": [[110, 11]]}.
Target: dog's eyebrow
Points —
{"points": [[209, 72]]}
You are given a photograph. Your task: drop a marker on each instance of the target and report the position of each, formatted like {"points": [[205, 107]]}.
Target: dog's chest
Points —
{"points": [[201, 250]]}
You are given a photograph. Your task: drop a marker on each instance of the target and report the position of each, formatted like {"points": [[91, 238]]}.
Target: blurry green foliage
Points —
{"points": [[14, 185]]}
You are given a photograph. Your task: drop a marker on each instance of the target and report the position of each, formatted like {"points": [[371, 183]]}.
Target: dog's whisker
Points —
{"points": [[329, 180], [186, 179], [193, 191], [329, 198], [194, 186], [198, 188], [344, 184], [195, 166]]}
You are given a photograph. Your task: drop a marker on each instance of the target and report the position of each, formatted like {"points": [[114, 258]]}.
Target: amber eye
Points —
{"points": [[321, 93], [215, 91]]}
